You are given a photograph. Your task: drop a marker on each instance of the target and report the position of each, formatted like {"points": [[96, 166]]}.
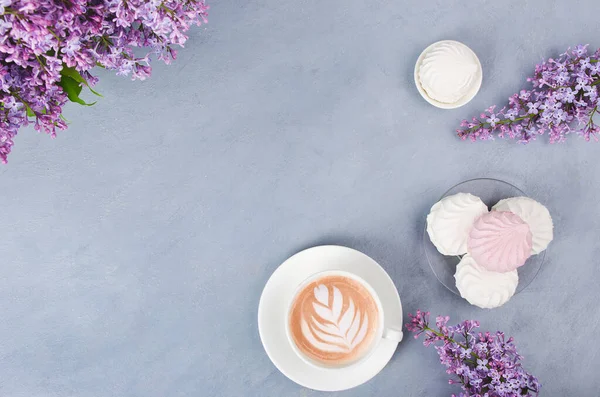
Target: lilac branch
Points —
{"points": [[483, 363], [564, 98]]}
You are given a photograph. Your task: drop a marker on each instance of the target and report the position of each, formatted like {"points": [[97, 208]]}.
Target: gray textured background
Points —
{"points": [[136, 245]]}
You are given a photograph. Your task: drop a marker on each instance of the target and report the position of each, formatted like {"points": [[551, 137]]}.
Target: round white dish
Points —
{"points": [[273, 312], [469, 94]]}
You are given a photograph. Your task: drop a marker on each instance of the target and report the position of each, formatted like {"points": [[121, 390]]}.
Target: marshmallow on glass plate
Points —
{"points": [[483, 288], [500, 241], [535, 215], [450, 221]]}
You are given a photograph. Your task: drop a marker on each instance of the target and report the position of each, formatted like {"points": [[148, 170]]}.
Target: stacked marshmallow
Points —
{"points": [[492, 244]]}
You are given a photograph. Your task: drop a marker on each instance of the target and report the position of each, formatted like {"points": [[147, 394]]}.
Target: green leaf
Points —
{"points": [[94, 92], [75, 75], [72, 73], [72, 88]]}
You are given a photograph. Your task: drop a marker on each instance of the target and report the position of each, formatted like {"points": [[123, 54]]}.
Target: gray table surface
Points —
{"points": [[135, 246]]}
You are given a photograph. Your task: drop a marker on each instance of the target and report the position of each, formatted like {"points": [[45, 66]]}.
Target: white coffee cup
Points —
{"points": [[382, 331]]}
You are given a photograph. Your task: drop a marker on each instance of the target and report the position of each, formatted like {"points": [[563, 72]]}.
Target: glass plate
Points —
{"points": [[490, 191]]}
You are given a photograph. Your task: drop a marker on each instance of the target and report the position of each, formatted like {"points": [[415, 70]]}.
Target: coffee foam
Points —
{"points": [[333, 320]]}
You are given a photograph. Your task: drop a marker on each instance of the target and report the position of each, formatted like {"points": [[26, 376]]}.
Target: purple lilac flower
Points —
{"points": [[43, 42], [564, 98], [482, 363]]}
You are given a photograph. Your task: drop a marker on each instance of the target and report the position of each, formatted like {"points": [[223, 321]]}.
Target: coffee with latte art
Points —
{"points": [[334, 320]]}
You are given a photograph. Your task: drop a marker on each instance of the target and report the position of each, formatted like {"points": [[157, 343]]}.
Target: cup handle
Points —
{"points": [[393, 334]]}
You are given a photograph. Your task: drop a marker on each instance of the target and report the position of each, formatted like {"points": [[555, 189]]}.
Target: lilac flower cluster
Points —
{"points": [[564, 99], [48, 47], [484, 364]]}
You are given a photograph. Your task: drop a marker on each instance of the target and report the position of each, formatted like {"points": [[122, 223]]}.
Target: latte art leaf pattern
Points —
{"points": [[328, 327], [334, 320]]}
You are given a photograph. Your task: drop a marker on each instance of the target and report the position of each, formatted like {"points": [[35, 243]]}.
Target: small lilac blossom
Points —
{"points": [[533, 108], [564, 99], [482, 363], [3, 5]]}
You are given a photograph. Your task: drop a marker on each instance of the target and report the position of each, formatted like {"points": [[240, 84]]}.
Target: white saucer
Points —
{"points": [[473, 90], [278, 292]]}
